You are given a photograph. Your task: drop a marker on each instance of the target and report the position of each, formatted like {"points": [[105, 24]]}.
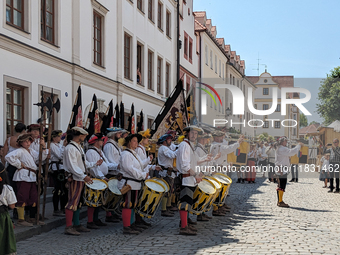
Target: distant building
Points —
{"points": [[274, 124]]}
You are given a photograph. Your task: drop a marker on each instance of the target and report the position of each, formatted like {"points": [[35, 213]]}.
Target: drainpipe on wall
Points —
{"points": [[178, 43]]}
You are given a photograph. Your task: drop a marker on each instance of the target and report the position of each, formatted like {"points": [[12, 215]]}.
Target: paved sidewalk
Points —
{"points": [[254, 226]]}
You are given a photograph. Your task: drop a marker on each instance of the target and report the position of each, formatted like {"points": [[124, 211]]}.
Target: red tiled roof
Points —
{"points": [[253, 79], [220, 41], [309, 129], [200, 14], [199, 26]]}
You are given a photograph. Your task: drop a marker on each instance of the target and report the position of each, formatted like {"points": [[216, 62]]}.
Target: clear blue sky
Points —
{"points": [[291, 37]]}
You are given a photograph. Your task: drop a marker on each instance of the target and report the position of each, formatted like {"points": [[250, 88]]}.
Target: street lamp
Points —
{"points": [[228, 111]]}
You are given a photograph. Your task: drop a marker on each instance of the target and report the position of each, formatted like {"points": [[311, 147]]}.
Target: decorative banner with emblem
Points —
{"points": [[173, 115]]}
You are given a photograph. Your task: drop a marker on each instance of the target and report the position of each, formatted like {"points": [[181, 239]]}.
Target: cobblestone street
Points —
{"points": [[254, 225]]}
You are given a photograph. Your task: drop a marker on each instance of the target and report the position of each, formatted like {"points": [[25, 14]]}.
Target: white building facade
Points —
{"points": [[97, 43]]}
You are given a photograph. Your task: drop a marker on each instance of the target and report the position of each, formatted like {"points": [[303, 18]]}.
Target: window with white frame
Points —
{"points": [[206, 56], [211, 60]]}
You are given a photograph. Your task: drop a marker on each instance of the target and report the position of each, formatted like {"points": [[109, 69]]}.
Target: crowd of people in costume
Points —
{"points": [[126, 158]]}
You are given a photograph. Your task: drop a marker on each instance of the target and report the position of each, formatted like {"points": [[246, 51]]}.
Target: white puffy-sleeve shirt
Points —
{"points": [[92, 155], [29, 158], [57, 152], [35, 145], [132, 167], [166, 158], [186, 160], [73, 162], [282, 155], [141, 152], [112, 152], [7, 197], [226, 149]]}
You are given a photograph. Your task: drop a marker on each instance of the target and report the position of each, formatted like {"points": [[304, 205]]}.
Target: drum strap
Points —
{"points": [[100, 154], [141, 165], [189, 144], [115, 147], [82, 156]]}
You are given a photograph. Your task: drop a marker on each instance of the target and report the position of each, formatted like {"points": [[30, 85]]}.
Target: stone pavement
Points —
{"points": [[255, 225]]}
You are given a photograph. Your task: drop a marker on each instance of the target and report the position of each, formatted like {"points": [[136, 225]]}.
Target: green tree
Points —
{"points": [[265, 137], [303, 120], [329, 94]]}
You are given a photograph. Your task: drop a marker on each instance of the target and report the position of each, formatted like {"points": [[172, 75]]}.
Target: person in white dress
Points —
{"points": [[25, 160]]}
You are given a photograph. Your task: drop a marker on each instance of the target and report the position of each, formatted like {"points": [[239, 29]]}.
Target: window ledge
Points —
{"points": [[141, 11], [100, 67], [152, 22], [160, 29], [17, 30], [128, 79], [160, 94], [151, 90], [49, 45], [141, 85], [169, 37]]}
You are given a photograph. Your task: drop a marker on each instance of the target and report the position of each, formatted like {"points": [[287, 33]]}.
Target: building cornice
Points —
{"points": [[84, 75]]}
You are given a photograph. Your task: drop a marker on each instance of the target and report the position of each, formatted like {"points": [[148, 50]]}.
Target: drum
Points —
{"points": [[164, 183], [203, 194], [218, 187], [150, 197], [112, 196], [94, 193], [225, 182]]}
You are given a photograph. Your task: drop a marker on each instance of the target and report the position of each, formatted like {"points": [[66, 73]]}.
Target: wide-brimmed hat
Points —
{"points": [[80, 130], [129, 138], [217, 133], [115, 129], [205, 135], [56, 133], [24, 137], [163, 138], [145, 134], [171, 132], [195, 128], [33, 127], [95, 138]]}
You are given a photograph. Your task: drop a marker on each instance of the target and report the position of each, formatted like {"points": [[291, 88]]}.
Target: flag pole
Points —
{"points": [[75, 101], [87, 119]]}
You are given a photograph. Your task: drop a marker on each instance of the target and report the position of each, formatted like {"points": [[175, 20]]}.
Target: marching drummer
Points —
{"points": [[225, 150], [93, 154], [132, 170], [186, 162], [76, 164], [165, 160], [141, 151], [112, 150], [203, 155]]}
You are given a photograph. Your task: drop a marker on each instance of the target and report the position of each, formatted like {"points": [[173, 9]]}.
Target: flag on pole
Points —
{"points": [[121, 117], [140, 126], [76, 119], [173, 115], [190, 102], [108, 119], [93, 118], [116, 117], [131, 126]]}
